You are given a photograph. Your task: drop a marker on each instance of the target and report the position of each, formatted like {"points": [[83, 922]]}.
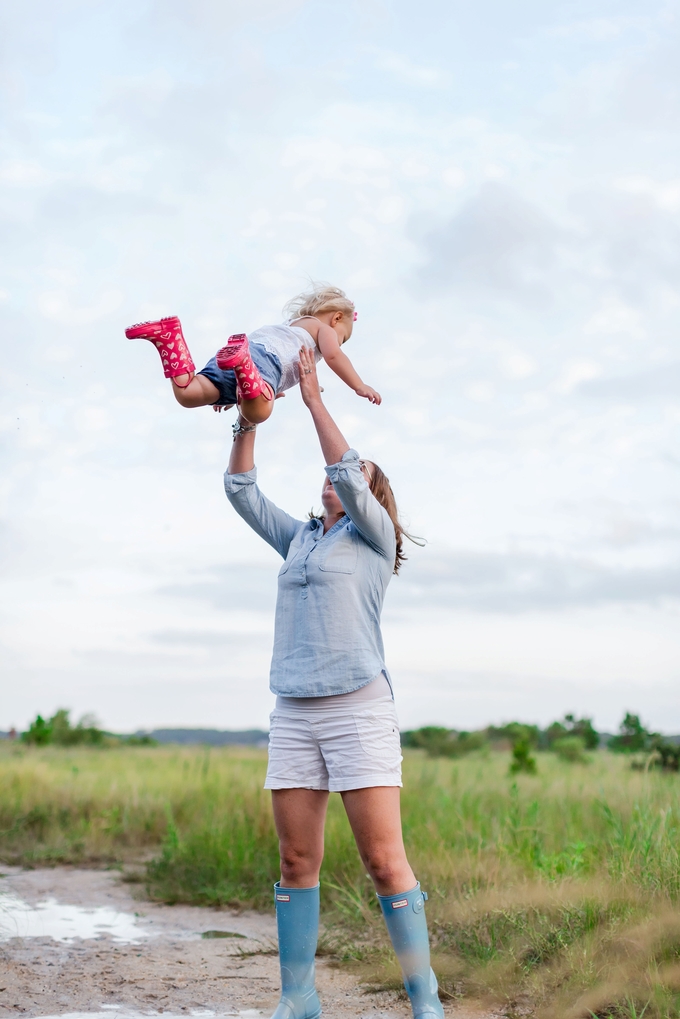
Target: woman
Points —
{"points": [[334, 728]]}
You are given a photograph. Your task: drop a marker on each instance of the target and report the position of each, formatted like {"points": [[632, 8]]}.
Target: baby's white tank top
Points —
{"points": [[284, 341]]}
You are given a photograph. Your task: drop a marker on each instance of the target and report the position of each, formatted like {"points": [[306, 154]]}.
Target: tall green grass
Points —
{"points": [[560, 889]]}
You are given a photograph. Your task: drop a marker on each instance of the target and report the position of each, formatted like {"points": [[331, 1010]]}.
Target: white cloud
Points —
{"points": [[665, 194], [23, 173], [453, 176], [599, 29], [402, 67], [576, 372], [287, 259], [415, 168], [59, 353], [517, 365], [329, 159], [615, 316], [480, 392], [57, 306], [390, 209]]}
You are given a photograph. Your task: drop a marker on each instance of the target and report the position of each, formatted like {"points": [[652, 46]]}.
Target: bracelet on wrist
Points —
{"points": [[241, 429]]}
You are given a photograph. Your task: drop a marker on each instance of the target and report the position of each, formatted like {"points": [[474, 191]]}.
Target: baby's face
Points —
{"points": [[344, 329]]}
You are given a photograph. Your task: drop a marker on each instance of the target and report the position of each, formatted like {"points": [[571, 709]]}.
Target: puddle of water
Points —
{"points": [[125, 1013], [52, 919]]}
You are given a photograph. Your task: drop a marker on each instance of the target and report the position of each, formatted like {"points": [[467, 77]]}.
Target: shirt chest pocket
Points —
{"points": [[341, 556]]}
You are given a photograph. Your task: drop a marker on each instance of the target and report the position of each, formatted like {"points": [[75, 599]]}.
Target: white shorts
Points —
{"points": [[350, 741]]}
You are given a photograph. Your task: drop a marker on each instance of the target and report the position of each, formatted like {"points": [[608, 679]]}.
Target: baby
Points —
{"points": [[253, 370]]}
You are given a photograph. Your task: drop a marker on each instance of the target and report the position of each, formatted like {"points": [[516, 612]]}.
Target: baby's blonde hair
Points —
{"points": [[320, 298]]}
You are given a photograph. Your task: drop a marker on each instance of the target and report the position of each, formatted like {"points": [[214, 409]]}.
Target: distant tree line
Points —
{"points": [[569, 738], [58, 731]]}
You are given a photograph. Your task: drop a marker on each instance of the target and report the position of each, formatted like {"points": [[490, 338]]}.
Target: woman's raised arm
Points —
{"points": [[242, 457], [276, 526], [361, 506], [333, 443]]}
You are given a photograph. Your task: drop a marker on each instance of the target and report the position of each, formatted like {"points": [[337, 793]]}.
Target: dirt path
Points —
{"points": [[132, 956]]}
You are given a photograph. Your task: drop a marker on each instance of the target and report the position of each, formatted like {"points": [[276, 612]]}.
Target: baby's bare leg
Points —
{"points": [[199, 392], [256, 411]]}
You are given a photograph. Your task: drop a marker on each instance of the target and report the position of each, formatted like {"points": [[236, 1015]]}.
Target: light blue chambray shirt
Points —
{"points": [[327, 637]]}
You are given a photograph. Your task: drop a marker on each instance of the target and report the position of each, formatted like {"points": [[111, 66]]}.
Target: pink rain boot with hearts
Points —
{"points": [[167, 336], [249, 382]]}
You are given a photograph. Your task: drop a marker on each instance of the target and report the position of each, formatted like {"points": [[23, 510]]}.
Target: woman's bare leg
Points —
{"points": [[300, 815], [194, 390], [375, 818]]}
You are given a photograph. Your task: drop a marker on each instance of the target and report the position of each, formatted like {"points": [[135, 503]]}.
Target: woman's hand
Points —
{"points": [[309, 380], [333, 442]]}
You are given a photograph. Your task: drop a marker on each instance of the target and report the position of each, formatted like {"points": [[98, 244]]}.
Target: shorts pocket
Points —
{"points": [[378, 735]]}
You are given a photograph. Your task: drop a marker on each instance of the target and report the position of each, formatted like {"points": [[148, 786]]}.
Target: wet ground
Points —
{"points": [[79, 944]]}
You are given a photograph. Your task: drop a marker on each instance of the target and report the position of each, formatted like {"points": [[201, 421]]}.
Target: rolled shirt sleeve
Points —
{"points": [[277, 527], [371, 520]]}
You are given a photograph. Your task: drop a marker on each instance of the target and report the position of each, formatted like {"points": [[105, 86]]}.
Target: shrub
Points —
{"points": [[570, 726], [633, 737], [58, 731], [571, 748], [39, 732], [666, 755], [439, 742], [522, 759], [583, 727], [513, 732]]}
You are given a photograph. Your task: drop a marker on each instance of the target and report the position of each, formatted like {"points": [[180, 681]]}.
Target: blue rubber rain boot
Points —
{"points": [[406, 924], [297, 920]]}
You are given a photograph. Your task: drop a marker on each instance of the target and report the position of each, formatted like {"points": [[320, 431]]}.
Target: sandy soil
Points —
{"points": [[170, 969]]}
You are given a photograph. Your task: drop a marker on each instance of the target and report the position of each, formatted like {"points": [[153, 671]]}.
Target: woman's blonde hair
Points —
{"points": [[320, 298], [379, 485]]}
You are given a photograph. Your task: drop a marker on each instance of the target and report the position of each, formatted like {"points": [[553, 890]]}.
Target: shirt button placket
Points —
{"points": [[303, 576]]}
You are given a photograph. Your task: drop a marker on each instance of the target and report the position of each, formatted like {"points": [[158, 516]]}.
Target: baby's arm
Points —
{"points": [[334, 357]]}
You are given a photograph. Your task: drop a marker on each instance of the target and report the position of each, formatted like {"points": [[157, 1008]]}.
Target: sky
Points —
{"points": [[497, 187]]}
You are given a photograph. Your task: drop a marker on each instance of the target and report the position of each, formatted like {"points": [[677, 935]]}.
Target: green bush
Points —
{"points": [[514, 732], [39, 733], [571, 748], [439, 742], [522, 759], [58, 730], [666, 755], [633, 736], [570, 726]]}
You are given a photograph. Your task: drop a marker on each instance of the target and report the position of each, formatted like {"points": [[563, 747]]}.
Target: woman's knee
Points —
{"points": [[299, 864], [385, 866]]}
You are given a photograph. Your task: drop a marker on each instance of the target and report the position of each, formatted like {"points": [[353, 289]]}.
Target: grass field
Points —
{"points": [[558, 891]]}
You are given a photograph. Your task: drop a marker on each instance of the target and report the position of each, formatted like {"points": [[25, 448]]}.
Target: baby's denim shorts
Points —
{"points": [[267, 364]]}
